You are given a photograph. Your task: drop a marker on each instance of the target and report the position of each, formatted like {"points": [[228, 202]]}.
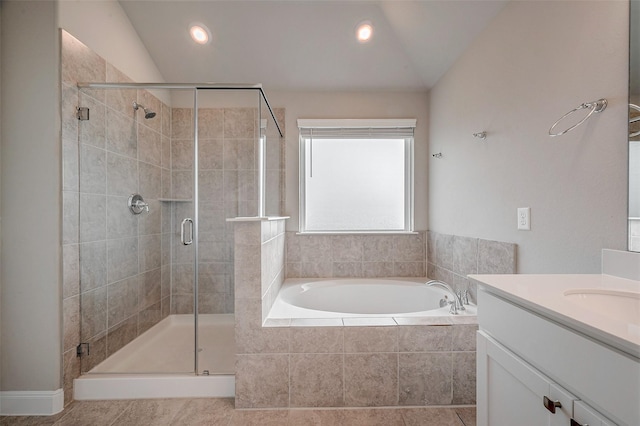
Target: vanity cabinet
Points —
{"points": [[511, 392], [515, 393], [527, 360]]}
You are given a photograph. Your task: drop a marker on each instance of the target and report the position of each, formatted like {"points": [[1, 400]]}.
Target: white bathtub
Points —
{"points": [[359, 298]]}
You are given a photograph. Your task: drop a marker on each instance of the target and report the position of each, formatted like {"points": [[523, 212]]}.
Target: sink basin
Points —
{"points": [[619, 305]]}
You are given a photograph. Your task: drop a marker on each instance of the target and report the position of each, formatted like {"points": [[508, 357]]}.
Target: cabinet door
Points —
{"points": [[511, 392], [584, 415]]}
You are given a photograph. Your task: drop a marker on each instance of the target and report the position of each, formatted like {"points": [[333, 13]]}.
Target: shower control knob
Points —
{"points": [[137, 205]]}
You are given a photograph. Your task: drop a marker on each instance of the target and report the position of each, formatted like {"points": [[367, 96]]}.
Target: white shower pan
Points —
{"points": [[137, 370]]}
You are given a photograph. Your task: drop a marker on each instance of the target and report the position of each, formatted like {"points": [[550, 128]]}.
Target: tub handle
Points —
{"points": [[453, 310], [463, 295], [182, 231]]}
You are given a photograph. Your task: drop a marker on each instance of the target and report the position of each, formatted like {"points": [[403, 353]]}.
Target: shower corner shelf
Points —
{"points": [[175, 200]]}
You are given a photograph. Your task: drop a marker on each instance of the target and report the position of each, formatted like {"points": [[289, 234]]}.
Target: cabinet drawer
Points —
{"points": [[585, 416]]}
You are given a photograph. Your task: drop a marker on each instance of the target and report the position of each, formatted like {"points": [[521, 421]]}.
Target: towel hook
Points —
{"points": [[480, 135], [595, 106]]}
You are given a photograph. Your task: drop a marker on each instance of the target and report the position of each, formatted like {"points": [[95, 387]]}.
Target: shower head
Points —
{"points": [[147, 112]]}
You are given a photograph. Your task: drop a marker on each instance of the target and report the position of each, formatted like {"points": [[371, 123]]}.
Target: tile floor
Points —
{"points": [[220, 411]]}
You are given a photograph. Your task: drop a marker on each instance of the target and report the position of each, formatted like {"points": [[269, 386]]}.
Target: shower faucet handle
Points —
{"points": [[142, 205], [137, 204]]}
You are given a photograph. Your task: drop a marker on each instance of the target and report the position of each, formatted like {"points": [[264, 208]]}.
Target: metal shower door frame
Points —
{"points": [[262, 180]]}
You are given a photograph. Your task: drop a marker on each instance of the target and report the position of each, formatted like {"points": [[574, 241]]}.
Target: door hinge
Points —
{"points": [[82, 349], [82, 113]]}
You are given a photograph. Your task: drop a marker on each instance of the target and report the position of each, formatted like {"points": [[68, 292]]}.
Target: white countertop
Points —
{"points": [[544, 294]]}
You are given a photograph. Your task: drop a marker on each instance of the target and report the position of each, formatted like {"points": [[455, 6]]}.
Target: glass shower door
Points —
{"points": [[239, 174], [126, 235], [226, 188]]}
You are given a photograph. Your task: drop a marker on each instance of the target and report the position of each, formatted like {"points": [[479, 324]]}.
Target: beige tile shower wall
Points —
{"points": [[314, 256], [338, 366], [451, 258], [275, 165], [227, 173], [116, 276]]}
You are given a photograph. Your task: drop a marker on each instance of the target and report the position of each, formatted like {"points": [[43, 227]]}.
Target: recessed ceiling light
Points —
{"points": [[200, 33], [364, 32]]}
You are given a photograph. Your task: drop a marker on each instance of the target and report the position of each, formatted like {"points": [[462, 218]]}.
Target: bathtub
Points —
{"points": [[359, 298]]}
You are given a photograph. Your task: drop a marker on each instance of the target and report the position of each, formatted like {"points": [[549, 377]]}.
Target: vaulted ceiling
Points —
{"points": [[311, 44]]}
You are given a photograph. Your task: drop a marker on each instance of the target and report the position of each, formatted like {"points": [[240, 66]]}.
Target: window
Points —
{"points": [[356, 175]]}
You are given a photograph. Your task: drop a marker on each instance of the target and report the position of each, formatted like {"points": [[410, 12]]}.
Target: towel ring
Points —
{"points": [[633, 120], [596, 106]]}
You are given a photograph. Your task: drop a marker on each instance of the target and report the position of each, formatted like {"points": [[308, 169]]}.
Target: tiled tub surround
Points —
{"points": [[317, 256], [451, 258], [417, 361]]}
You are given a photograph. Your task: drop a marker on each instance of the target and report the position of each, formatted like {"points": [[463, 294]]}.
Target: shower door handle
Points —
{"points": [[183, 225]]}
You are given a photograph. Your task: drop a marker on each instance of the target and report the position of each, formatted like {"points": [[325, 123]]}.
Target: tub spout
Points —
{"points": [[456, 297]]}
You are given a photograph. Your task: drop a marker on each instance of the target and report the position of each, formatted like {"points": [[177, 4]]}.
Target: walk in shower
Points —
{"points": [[161, 169]]}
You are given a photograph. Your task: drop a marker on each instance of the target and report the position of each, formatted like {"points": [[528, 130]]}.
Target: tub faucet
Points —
{"points": [[459, 306]]}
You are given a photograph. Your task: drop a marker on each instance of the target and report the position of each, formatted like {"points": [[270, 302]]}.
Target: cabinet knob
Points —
{"points": [[574, 423], [551, 405]]}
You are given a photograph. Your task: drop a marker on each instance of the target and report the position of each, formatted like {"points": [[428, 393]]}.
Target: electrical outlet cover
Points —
{"points": [[524, 218]]}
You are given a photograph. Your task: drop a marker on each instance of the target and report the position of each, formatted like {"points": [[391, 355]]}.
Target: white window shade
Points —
{"points": [[356, 128]]}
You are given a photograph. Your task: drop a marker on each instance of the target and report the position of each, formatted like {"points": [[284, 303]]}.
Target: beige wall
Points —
{"points": [[535, 62], [353, 105], [31, 202]]}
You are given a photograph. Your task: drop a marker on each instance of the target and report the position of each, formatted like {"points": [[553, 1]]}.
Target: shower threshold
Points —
{"points": [[134, 371]]}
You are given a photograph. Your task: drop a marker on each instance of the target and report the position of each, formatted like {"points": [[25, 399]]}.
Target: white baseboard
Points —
{"points": [[31, 403]]}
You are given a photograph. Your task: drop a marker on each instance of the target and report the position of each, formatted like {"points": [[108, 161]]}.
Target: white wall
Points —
{"points": [[353, 105], [31, 198], [535, 62], [103, 26]]}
